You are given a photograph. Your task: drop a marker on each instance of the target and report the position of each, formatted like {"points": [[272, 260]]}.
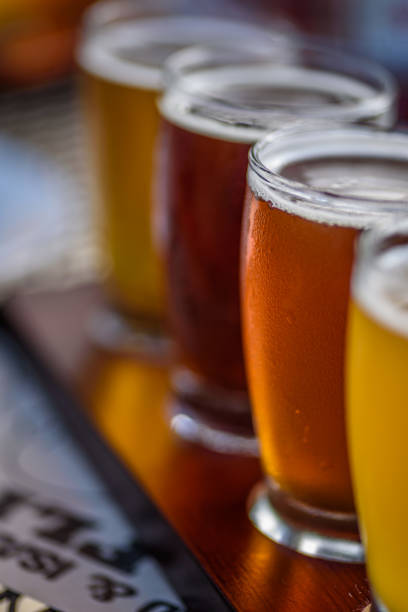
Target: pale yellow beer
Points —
{"points": [[377, 408]]}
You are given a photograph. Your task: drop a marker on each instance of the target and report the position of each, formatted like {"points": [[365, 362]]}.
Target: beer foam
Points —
{"points": [[382, 290], [344, 199], [133, 52], [242, 103]]}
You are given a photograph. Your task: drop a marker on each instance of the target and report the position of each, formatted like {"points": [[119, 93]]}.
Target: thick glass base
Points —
{"points": [[212, 417], [329, 536], [377, 605], [114, 332]]}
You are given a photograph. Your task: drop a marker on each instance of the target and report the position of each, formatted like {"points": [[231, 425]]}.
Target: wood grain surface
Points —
{"points": [[202, 493]]}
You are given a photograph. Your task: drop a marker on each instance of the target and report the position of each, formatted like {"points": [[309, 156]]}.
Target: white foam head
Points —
{"points": [[380, 280], [241, 103], [132, 52], [342, 200]]}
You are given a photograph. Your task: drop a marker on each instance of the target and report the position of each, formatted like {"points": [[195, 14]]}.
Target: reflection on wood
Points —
{"points": [[203, 494]]}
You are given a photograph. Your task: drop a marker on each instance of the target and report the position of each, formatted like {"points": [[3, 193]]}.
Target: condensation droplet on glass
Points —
{"points": [[289, 318]]}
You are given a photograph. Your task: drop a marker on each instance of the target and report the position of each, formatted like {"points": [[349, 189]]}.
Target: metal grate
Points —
{"points": [[46, 228]]}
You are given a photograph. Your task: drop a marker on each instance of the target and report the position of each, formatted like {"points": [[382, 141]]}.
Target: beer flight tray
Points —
{"points": [[77, 531]]}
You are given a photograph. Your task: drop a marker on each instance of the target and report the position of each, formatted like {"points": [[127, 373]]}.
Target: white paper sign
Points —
{"points": [[62, 540]]}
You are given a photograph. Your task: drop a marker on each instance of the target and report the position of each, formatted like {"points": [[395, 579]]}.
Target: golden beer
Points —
{"points": [[121, 60], [124, 124], [377, 394], [312, 192]]}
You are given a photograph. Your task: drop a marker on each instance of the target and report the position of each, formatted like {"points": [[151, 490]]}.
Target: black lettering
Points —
{"points": [[8, 546], [121, 559], [105, 589], [11, 597], [159, 606], [40, 561], [34, 559], [9, 502], [30, 560], [68, 526], [55, 567]]}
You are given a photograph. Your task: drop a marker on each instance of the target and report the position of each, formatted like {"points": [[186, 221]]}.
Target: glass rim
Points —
{"points": [[380, 100], [307, 201], [369, 280], [371, 241], [374, 236], [127, 24], [104, 12]]}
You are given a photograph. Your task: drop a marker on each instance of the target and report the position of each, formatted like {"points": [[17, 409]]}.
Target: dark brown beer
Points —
{"points": [[218, 102], [202, 209]]}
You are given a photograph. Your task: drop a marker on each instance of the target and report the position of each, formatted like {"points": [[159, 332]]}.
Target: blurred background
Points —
{"points": [[46, 232]]}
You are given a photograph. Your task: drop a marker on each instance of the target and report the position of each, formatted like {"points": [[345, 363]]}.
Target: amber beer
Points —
{"points": [[217, 103], [295, 325], [311, 193], [123, 48]]}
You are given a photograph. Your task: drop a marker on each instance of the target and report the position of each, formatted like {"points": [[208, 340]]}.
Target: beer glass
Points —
{"points": [[121, 53], [216, 103], [377, 397], [311, 192]]}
